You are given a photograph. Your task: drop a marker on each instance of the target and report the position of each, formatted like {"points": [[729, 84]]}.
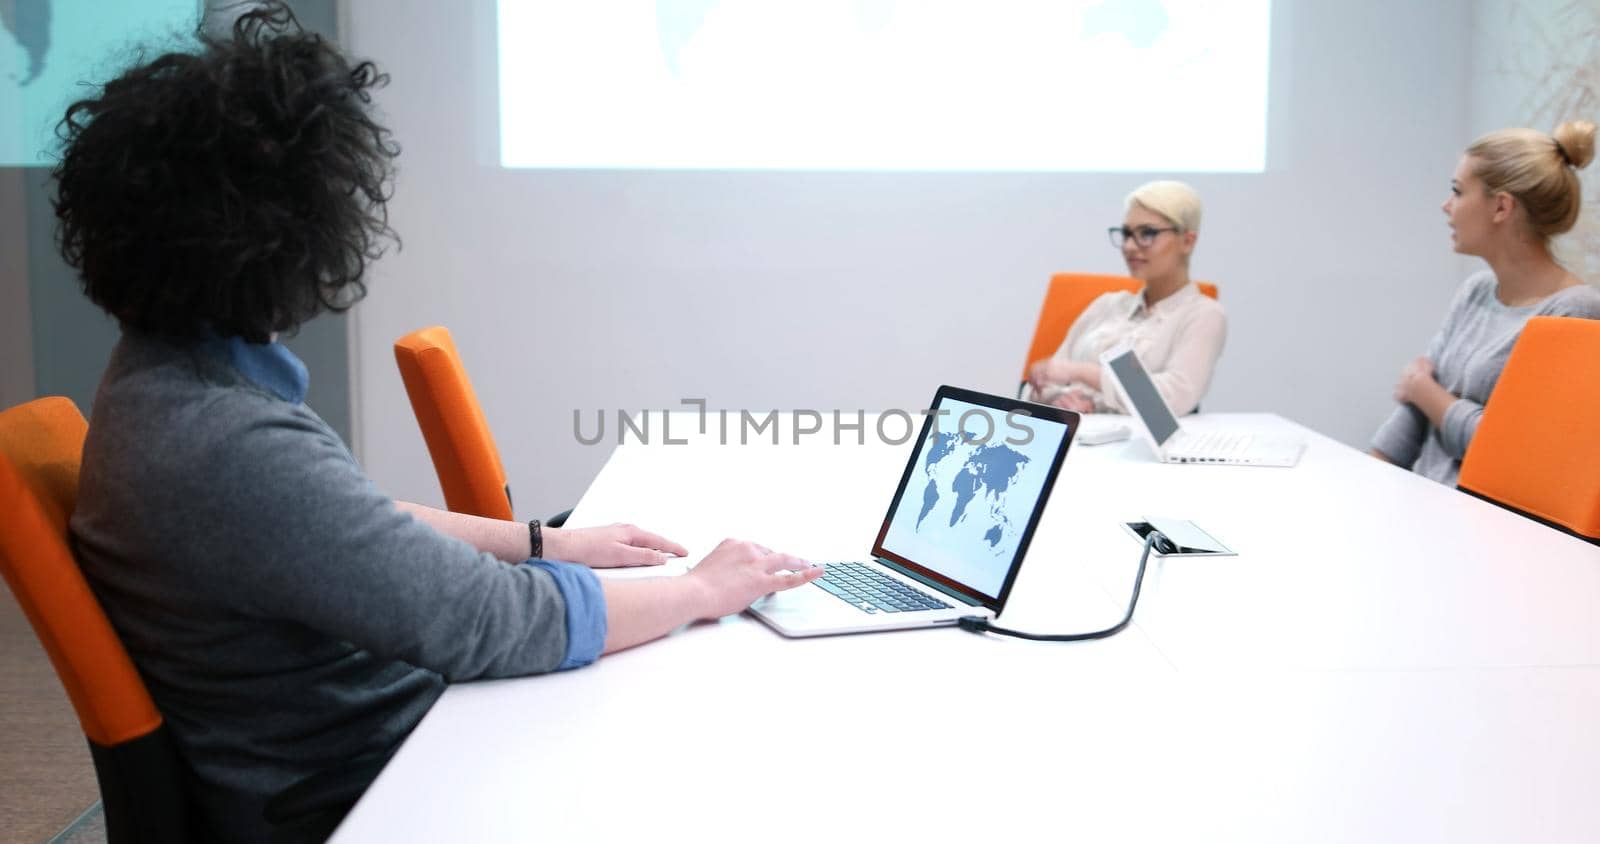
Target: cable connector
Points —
{"points": [[979, 624]]}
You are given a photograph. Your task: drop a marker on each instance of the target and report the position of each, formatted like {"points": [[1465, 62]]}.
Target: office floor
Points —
{"points": [[46, 777]]}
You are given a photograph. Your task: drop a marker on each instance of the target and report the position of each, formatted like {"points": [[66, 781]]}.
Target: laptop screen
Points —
{"points": [[1141, 391], [974, 489]]}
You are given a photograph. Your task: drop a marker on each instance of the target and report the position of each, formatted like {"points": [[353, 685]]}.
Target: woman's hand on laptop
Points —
{"points": [[612, 546], [737, 573]]}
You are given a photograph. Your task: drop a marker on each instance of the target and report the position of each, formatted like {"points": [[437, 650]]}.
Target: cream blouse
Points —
{"points": [[1178, 340]]}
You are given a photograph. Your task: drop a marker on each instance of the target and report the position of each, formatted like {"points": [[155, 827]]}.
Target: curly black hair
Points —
{"points": [[239, 189]]}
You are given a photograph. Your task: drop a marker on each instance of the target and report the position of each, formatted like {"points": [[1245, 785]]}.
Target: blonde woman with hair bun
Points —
{"points": [[1177, 331], [1513, 191]]}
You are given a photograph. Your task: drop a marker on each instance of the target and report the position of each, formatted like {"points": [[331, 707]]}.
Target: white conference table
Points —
{"points": [[1386, 659]]}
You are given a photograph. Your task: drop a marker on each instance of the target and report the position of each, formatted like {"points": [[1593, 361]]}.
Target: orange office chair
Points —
{"points": [[141, 776], [1067, 297], [453, 425], [1535, 450]]}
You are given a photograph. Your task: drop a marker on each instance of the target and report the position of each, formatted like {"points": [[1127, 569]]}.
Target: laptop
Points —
{"points": [[1166, 435], [958, 525]]}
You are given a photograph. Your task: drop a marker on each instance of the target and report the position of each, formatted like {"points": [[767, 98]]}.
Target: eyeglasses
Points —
{"points": [[1142, 235]]}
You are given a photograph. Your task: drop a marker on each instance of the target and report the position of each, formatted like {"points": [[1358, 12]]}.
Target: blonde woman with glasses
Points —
{"points": [[1177, 331], [1513, 191]]}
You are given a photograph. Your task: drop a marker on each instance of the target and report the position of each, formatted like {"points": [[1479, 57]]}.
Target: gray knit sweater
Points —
{"points": [[1468, 354], [286, 617]]}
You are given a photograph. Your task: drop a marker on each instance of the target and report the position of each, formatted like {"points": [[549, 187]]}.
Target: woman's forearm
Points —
{"points": [[1434, 401], [640, 610], [507, 540], [1087, 374]]}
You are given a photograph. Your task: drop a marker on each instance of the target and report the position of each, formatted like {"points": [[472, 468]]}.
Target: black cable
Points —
{"points": [[979, 624]]}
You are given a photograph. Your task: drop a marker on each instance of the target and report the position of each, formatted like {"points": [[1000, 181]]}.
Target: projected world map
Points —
{"points": [[678, 21], [1141, 22], [53, 52], [1026, 85], [28, 22]]}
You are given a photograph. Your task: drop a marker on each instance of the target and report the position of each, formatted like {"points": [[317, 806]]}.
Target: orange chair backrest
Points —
{"points": [[453, 425], [1067, 297], [1537, 449], [41, 447]]}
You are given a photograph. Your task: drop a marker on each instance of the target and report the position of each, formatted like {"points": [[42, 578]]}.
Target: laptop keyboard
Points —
{"points": [[1216, 446], [872, 591], [1223, 447]]}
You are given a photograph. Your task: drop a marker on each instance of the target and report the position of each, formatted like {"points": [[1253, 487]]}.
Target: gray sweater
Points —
{"points": [[1468, 354], [286, 617]]}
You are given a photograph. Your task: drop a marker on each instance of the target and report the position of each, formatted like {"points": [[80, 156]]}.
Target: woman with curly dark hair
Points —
{"points": [[293, 623]]}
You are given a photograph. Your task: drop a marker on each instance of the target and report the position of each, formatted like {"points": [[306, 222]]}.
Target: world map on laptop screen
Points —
{"points": [[975, 480]]}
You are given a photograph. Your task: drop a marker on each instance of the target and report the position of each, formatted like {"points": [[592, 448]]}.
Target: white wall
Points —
{"points": [[16, 324], [585, 290]]}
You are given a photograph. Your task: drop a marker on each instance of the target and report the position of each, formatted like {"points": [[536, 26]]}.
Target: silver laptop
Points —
{"points": [[1166, 435], [957, 528]]}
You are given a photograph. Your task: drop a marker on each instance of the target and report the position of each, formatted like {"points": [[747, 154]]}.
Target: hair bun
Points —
{"points": [[1575, 140]]}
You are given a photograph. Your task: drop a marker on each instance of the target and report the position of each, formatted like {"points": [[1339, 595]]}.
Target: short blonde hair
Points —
{"points": [[1174, 200], [1539, 170]]}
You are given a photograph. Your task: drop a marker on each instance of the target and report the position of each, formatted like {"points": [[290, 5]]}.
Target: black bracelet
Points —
{"points": [[535, 540]]}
